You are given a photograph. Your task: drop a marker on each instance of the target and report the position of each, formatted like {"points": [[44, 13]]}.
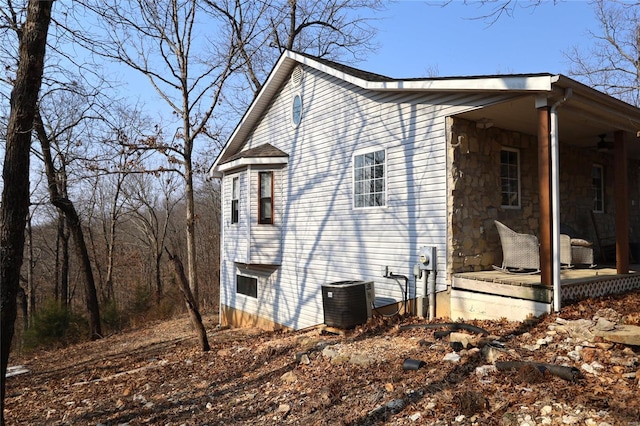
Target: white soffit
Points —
{"points": [[242, 162]]}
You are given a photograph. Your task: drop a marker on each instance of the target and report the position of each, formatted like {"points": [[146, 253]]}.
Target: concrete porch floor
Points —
{"points": [[494, 294]]}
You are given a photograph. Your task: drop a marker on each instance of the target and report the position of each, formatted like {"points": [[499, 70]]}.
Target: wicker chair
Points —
{"points": [[582, 252], [520, 252], [581, 249]]}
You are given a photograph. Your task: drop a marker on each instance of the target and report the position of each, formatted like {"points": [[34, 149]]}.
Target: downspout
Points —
{"points": [[555, 200], [247, 197], [219, 175]]}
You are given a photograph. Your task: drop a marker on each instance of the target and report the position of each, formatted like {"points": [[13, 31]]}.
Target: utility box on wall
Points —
{"points": [[347, 303], [427, 258]]}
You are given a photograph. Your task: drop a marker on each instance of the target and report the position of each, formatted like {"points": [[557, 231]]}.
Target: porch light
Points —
{"points": [[603, 145]]}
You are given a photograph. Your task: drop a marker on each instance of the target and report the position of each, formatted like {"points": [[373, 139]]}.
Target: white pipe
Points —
{"points": [[423, 294], [432, 295], [555, 200]]}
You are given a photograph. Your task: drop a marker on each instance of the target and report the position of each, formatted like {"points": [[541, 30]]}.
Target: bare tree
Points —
{"points": [[159, 40], [29, 289], [491, 11], [152, 202], [75, 225], [208, 202], [112, 164], [334, 29], [612, 64], [15, 173], [194, 313], [62, 260]]}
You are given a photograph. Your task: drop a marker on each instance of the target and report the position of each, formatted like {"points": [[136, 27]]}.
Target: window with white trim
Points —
{"points": [[296, 110], [235, 199], [597, 186], [265, 205], [510, 177], [369, 179], [247, 285]]}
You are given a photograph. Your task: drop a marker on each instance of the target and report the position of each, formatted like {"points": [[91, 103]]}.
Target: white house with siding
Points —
{"points": [[335, 174]]}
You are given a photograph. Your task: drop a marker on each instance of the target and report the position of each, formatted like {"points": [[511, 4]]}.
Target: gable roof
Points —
{"points": [[355, 72], [262, 154], [263, 151], [551, 87]]}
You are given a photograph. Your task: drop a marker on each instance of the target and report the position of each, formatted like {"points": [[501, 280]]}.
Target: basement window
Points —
{"points": [[247, 286], [510, 177]]}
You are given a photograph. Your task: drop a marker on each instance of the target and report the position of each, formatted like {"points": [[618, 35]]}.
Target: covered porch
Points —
{"points": [[516, 297], [557, 138]]}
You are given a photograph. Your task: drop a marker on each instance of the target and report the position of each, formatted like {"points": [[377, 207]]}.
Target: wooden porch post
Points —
{"points": [[544, 178], [622, 208]]}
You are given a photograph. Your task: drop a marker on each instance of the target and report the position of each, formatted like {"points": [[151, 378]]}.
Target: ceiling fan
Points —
{"points": [[604, 145]]}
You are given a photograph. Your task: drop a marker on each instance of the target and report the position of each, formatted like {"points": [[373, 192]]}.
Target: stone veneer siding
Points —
{"points": [[474, 188]]}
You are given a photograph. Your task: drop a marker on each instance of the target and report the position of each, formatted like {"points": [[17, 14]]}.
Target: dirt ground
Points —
{"points": [[158, 375]]}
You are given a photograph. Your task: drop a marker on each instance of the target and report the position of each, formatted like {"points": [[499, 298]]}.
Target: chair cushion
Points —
{"points": [[580, 242]]}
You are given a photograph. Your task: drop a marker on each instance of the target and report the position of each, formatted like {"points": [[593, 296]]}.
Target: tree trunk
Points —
{"points": [[15, 193], [91, 296], [191, 217], [194, 314], [31, 294], [158, 278], [22, 302], [191, 243], [73, 222], [111, 240], [62, 262]]}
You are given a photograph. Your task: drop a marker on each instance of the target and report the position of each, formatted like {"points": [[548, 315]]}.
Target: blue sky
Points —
{"points": [[423, 39], [418, 37]]}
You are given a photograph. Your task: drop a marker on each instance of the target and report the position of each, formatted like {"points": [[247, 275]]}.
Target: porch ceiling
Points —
{"points": [[579, 122]]}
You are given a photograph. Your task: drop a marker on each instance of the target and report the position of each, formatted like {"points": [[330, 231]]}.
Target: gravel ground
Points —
{"points": [[158, 376]]}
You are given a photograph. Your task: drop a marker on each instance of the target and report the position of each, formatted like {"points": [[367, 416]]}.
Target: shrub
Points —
{"points": [[55, 325], [113, 319], [142, 300], [169, 304], [146, 307]]}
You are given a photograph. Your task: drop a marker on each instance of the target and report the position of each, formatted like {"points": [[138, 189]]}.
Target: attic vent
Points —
{"points": [[296, 76]]}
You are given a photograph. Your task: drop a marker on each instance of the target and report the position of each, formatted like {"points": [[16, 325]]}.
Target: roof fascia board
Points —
{"points": [[329, 70], [542, 83], [616, 117], [525, 83], [243, 162], [281, 68], [588, 94]]}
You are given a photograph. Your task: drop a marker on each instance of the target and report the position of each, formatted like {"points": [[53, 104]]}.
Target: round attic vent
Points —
{"points": [[296, 76]]}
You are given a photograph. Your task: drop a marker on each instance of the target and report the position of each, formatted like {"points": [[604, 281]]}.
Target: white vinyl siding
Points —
{"points": [[235, 235], [324, 239]]}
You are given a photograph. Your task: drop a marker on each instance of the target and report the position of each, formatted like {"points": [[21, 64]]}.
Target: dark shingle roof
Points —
{"points": [[365, 75], [261, 151]]}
